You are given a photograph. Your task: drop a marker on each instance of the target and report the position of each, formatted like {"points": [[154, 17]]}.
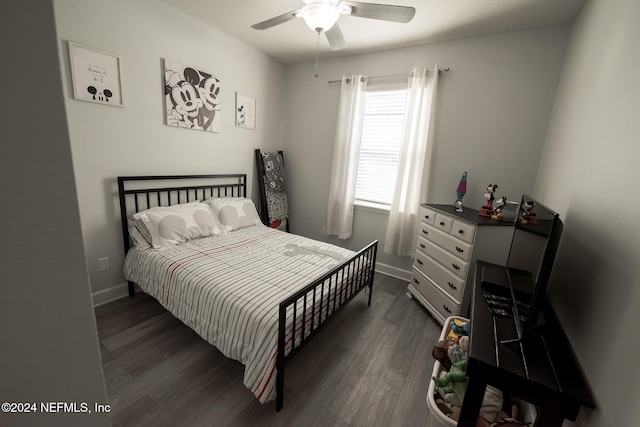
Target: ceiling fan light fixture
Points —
{"points": [[319, 16]]}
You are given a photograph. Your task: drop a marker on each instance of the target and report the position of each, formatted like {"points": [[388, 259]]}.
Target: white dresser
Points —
{"points": [[449, 243]]}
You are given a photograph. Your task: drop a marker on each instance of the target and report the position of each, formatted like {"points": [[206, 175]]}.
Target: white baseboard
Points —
{"points": [[392, 271], [111, 294]]}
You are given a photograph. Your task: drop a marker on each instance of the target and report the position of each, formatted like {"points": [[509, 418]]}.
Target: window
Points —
{"points": [[382, 128]]}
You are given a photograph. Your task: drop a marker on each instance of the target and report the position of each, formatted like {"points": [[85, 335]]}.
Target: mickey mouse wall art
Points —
{"points": [[95, 75], [192, 98]]}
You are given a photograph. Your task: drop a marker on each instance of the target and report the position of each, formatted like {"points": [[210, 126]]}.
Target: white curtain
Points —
{"points": [[412, 182], [346, 152]]}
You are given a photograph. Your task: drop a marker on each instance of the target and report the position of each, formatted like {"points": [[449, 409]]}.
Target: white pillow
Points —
{"points": [[234, 212], [178, 223]]}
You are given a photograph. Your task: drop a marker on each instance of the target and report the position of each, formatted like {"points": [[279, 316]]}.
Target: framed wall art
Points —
{"points": [[95, 75], [192, 97], [245, 111]]}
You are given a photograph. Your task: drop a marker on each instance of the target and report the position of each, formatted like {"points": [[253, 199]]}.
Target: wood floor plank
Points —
{"points": [[326, 418], [371, 365], [348, 393], [165, 348], [140, 331], [364, 326], [116, 377], [136, 414], [408, 411], [186, 399], [406, 343], [380, 389], [227, 407], [305, 406], [123, 395], [129, 312]]}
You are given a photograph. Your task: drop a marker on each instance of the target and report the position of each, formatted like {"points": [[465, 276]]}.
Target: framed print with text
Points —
{"points": [[95, 75]]}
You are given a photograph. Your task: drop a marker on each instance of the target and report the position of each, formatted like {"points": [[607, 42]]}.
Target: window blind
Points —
{"points": [[380, 145]]}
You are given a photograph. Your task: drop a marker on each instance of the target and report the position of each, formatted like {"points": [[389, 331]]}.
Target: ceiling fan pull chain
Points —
{"points": [[317, 51]]}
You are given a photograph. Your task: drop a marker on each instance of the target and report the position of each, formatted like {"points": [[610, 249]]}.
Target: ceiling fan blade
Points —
{"points": [[384, 12], [335, 37], [276, 21]]}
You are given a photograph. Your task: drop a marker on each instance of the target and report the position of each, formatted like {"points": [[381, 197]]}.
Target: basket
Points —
{"points": [[435, 417]]}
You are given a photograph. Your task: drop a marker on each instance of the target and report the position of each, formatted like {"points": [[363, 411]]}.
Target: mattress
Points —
{"points": [[228, 289]]}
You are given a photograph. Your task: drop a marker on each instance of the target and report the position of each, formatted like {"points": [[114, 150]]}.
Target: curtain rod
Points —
{"points": [[446, 70]]}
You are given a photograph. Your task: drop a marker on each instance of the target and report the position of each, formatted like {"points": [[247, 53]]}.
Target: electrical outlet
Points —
{"points": [[104, 263], [324, 230]]}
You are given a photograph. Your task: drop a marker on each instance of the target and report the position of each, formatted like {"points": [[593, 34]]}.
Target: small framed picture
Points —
{"points": [[95, 75], [245, 112]]}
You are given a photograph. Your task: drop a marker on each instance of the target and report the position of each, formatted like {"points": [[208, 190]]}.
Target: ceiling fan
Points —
{"points": [[322, 16]]}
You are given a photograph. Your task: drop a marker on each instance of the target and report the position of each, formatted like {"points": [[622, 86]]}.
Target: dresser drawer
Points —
{"points": [[463, 231], [446, 259], [427, 215], [446, 280], [437, 299], [446, 241], [424, 230], [443, 223]]}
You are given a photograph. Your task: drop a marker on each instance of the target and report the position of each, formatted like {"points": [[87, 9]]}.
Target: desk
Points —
{"points": [[547, 376]]}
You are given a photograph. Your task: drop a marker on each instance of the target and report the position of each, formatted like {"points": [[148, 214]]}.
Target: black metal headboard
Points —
{"points": [[138, 193]]}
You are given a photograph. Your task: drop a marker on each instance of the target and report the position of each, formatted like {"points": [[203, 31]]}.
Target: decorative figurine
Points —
{"points": [[462, 189], [487, 210], [527, 216], [497, 210]]}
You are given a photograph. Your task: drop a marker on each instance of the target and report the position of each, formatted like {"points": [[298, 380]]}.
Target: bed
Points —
{"points": [[256, 293]]}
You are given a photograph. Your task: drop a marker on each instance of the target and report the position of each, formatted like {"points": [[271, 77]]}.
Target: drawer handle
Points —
{"points": [[451, 285], [461, 231], [456, 266], [425, 231], [416, 280], [459, 249], [426, 217], [422, 245], [442, 223], [447, 309], [419, 261]]}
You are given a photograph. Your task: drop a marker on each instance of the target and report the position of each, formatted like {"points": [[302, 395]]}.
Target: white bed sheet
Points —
{"points": [[228, 289]]}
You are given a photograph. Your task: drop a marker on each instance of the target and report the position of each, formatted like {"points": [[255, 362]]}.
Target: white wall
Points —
{"points": [[493, 111], [50, 349], [107, 142], [588, 173]]}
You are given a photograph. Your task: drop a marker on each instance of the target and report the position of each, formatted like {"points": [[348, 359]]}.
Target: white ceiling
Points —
{"points": [[435, 20]]}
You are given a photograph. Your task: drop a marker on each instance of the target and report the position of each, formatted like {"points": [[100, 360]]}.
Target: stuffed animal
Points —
{"points": [[456, 353], [455, 381], [440, 352], [459, 327]]}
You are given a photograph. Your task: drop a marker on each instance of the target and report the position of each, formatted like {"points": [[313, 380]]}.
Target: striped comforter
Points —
{"points": [[228, 289]]}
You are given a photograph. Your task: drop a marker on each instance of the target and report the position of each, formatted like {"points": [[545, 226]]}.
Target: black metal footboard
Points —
{"points": [[303, 314]]}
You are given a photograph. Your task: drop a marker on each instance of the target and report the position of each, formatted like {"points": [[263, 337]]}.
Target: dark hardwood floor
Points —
{"points": [[370, 366]]}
